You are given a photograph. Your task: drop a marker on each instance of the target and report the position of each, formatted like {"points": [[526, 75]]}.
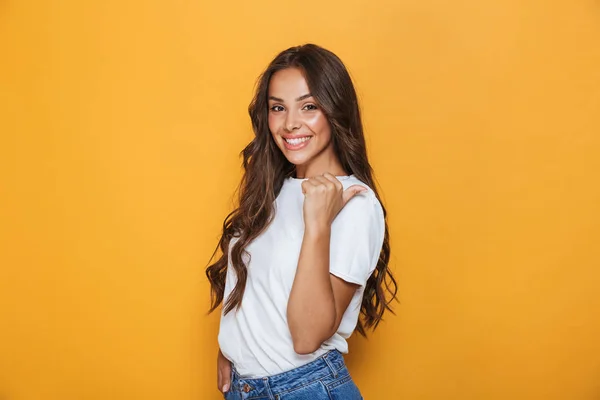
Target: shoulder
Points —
{"points": [[358, 231], [369, 197], [364, 205]]}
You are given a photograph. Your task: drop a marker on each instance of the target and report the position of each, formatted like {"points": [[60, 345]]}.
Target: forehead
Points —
{"points": [[288, 83]]}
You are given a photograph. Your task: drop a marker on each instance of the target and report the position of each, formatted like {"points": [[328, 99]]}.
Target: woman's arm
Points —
{"points": [[318, 299]]}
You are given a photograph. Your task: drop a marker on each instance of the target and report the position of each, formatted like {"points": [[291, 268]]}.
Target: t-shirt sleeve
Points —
{"points": [[356, 239]]}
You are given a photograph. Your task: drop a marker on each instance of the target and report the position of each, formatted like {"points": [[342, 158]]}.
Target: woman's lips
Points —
{"points": [[296, 143]]}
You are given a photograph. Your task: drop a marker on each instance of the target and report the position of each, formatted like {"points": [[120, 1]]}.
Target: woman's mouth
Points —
{"points": [[296, 143]]}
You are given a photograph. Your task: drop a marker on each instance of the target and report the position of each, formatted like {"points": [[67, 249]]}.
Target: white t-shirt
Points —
{"points": [[256, 337]]}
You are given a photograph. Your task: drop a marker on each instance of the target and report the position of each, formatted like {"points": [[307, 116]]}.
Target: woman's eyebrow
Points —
{"points": [[304, 96]]}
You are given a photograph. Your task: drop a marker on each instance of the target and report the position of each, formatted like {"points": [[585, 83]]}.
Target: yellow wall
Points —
{"points": [[120, 126]]}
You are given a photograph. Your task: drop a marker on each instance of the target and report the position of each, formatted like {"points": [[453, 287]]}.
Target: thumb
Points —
{"points": [[351, 192], [226, 376]]}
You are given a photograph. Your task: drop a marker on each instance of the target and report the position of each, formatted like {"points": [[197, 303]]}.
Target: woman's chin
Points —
{"points": [[295, 159]]}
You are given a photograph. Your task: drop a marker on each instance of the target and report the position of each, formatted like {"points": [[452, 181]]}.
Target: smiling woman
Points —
{"points": [[307, 250], [297, 123]]}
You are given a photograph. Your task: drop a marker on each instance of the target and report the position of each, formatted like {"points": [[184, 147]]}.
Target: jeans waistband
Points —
{"points": [[328, 364]]}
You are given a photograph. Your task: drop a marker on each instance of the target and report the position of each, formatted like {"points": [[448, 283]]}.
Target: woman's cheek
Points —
{"points": [[272, 127], [318, 123], [272, 120]]}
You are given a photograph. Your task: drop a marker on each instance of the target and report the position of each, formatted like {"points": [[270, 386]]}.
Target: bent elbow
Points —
{"points": [[305, 346]]}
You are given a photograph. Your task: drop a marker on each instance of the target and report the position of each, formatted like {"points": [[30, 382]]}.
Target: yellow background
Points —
{"points": [[121, 123]]}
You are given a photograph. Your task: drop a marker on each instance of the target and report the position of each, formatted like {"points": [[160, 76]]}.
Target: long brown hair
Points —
{"points": [[266, 168]]}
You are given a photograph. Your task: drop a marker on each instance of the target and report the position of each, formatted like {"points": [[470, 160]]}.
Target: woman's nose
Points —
{"points": [[292, 122]]}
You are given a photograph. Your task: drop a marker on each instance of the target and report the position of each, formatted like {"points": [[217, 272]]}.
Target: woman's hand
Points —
{"points": [[324, 198], [223, 373]]}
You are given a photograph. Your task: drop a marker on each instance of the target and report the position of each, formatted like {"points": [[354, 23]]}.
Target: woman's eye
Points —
{"points": [[276, 108], [310, 107]]}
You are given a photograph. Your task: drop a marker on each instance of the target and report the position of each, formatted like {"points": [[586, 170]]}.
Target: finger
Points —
{"points": [[226, 386], [226, 378], [310, 185], [352, 191], [333, 179], [219, 379], [326, 182], [313, 181]]}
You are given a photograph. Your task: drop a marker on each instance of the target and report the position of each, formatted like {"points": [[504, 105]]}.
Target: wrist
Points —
{"points": [[317, 230]]}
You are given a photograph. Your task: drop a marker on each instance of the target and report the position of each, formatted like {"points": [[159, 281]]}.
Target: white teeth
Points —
{"points": [[297, 141]]}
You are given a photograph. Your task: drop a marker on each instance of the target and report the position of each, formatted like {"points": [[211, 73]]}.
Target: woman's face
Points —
{"points": [[298, 126]]}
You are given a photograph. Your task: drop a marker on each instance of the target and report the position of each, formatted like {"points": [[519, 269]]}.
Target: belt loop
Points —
{"points": [[333, 370]]}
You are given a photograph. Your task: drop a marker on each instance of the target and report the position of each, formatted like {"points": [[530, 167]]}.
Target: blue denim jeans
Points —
{"points": [[326, 378]]}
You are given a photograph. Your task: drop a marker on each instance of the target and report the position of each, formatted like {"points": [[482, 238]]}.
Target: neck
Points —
{"points": [[309, 171], [326, 161]]}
